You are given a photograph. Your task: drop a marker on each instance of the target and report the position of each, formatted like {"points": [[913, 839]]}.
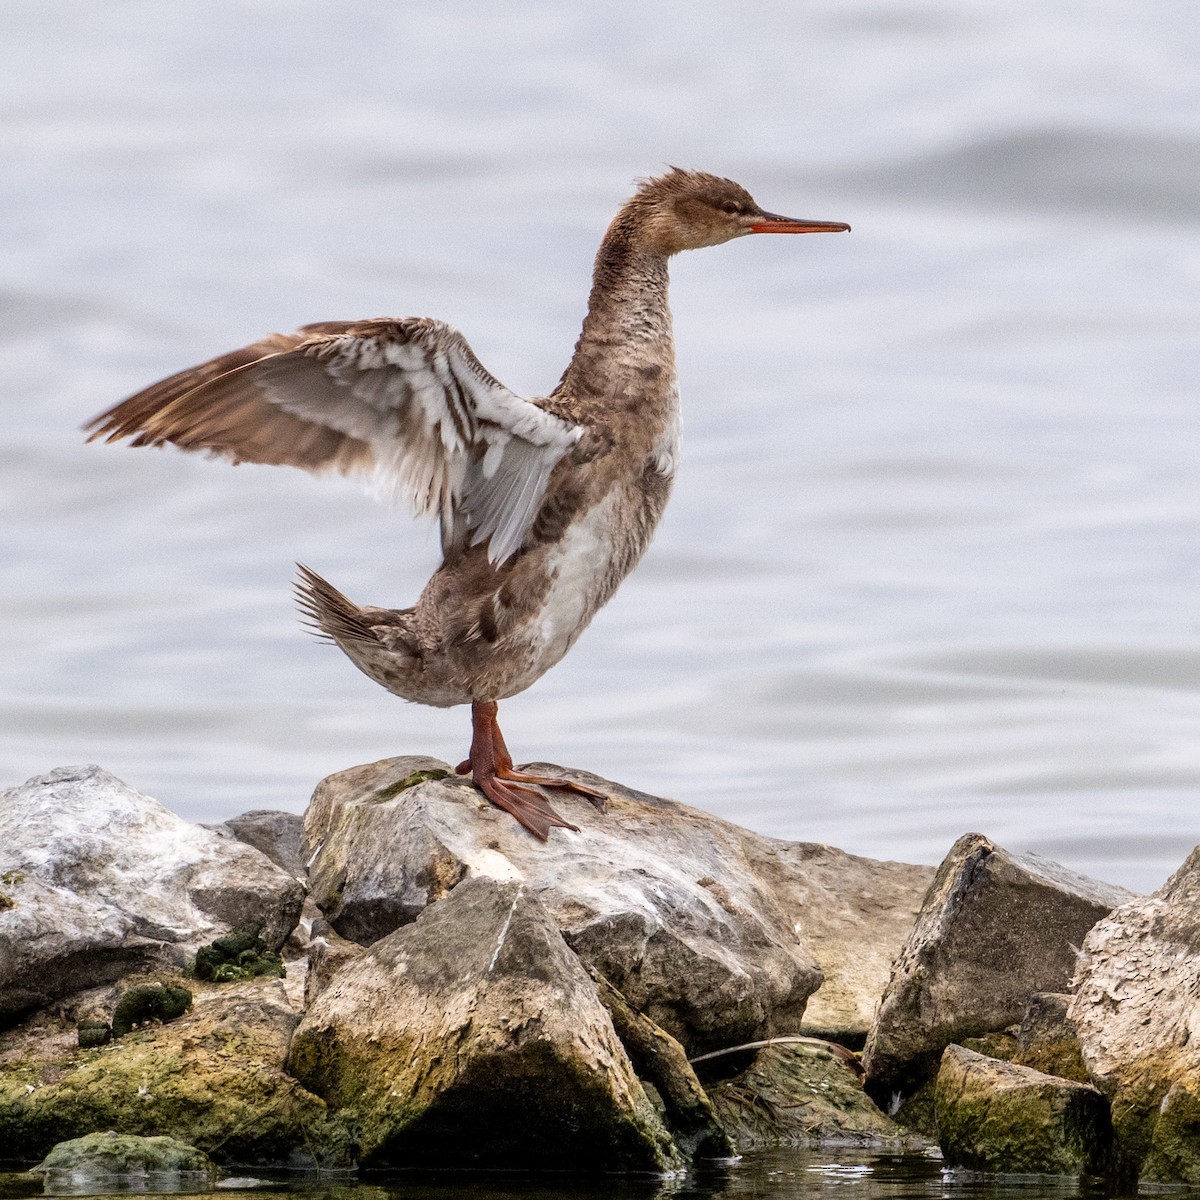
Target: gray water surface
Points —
{"points": [[933, 557]]}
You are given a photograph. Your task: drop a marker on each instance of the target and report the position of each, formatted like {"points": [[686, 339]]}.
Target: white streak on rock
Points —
{"points": [[504, 928]]}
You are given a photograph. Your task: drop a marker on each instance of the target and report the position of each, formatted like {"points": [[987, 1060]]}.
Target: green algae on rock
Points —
{"points": [[93, 1032], [1137, 1013], [916, 1113], [392, 790], [239, 956], [214, 1078], [1174, 1150], [149, 1002], [998, 1116], [111, 1153], [797, 1090]]}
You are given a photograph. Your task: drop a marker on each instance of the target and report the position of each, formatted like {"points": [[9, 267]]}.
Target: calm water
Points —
{"points": [[772, 1175], [933, 559]]}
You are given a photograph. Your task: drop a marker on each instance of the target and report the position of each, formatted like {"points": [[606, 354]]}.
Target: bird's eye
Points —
{"points": [[731, 207]]}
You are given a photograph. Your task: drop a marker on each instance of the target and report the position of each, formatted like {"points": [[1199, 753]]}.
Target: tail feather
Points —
{"points": [[327, 613]]}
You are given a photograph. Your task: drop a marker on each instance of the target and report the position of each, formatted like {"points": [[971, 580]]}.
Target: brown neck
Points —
{"points": [[628, 324]]}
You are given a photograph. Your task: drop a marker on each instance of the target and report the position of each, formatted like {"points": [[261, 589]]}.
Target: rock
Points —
{"points": [[998, 1116], [214, 1078], [328, 953], [665, 902], [853, 916], [916, 1112], [1002, 1044], [103, 1156], [278, 835], [1045, 1039], [995, 929], [1137, 1012], [796, 1091], [660, 1061], [101, 881], [374, 861], [474, 1036], [1048, 1040]]}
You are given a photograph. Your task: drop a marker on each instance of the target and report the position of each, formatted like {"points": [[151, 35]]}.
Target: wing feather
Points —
{"points": [[405, 403]]}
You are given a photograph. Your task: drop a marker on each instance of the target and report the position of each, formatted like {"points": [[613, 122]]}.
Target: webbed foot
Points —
{"points": [[516, 792]]}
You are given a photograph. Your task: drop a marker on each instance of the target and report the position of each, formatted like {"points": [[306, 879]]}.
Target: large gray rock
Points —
{"points": [[474, 1036], [97, 880], [711, 929], [998, 1116], [994, 929], [665, 902], [853, 915], [1137, 1014], [277, 834]]}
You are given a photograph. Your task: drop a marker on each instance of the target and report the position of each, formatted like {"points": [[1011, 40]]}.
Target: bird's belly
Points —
{"points": [[584, 569]]}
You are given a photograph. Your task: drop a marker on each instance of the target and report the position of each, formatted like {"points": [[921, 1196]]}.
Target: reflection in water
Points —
{"points": [[846, 1174]]}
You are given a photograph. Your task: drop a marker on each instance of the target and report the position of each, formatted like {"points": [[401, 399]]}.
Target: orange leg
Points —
{"points": [[518, 793]]}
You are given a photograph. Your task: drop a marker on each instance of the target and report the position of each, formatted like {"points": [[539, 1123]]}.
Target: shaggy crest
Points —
{"points": [[698, 185]]}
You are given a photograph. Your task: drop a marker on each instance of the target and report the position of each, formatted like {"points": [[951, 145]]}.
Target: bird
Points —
{"points": [[545, 504]]}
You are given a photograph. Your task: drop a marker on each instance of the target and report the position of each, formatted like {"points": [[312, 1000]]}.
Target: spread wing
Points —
{"points": [[404, 402]]}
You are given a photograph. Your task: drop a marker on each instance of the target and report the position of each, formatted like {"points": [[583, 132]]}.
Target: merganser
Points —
{"points": [[545, 504]]}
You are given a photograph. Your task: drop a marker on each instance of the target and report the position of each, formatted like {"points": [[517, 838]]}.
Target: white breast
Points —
{"points": [[665, 455], [580, 569], [595, 554]]}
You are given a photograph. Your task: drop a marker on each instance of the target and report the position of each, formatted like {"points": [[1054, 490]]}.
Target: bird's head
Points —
{"points": [[684, 210]]}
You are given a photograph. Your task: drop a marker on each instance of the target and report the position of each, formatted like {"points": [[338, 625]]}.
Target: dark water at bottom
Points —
{"points": [[828, 1172]]}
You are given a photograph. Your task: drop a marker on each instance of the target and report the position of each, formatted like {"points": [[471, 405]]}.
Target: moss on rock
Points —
{"points": [[112, 1153], [402, 785], [239, 956], [916, 1112], [214, 1079], [1174, 1151], [1156, 1119], [1061, 1058], [93, 1032], [796, 1092], [10, 879], [149, 1002], [997, 1116], [1002, 1046]]}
